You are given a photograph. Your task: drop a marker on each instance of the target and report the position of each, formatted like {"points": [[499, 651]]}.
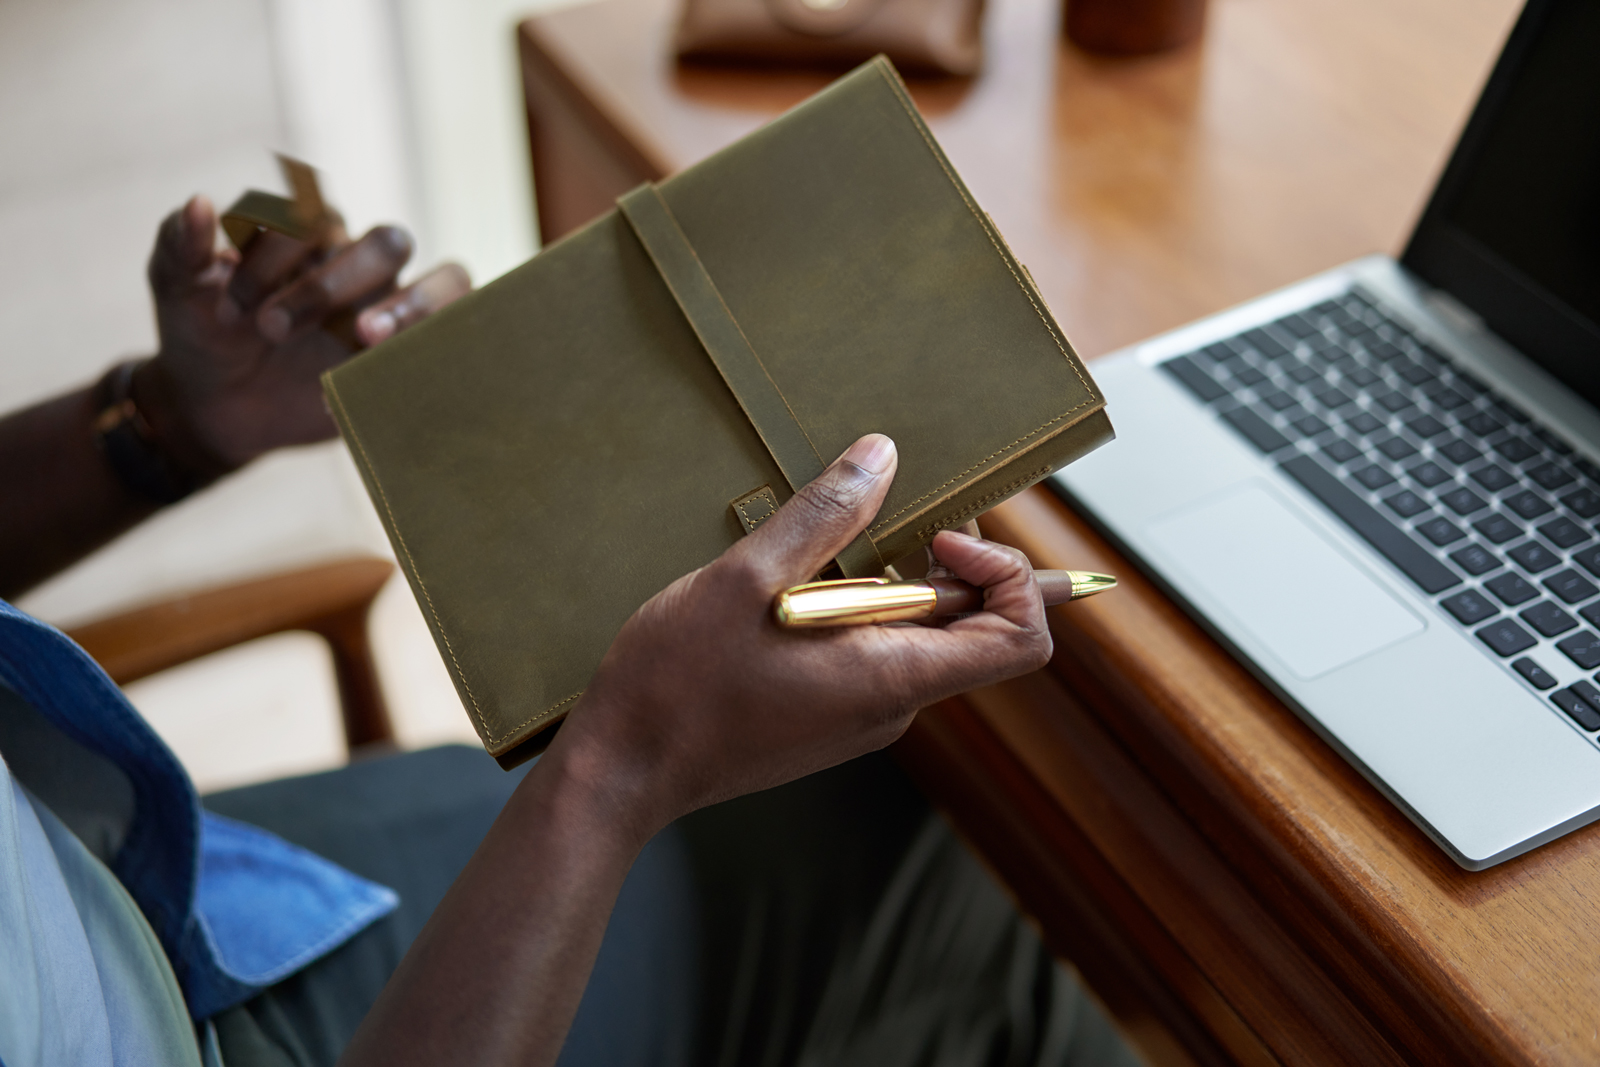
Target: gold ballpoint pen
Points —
{"points": [[862, 601]]}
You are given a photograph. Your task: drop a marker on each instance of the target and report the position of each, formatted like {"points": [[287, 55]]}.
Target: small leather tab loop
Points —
{"points": [[755, 507], [764, 404]]}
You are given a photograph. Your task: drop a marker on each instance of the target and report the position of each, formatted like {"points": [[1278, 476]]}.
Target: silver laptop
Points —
{"points": [[1380, 486]]}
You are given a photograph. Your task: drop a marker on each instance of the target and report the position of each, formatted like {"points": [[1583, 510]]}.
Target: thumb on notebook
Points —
{"points": [[823, 517]]}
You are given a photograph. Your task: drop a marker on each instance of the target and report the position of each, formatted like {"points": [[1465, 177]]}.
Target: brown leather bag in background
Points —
{"points": [[926, 36]]}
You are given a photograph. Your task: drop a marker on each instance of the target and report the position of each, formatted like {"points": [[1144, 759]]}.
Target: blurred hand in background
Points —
{"points": [[244, 338]]}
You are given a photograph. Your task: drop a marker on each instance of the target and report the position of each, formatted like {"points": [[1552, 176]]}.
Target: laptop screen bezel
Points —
{"points": [[1511, 304]]}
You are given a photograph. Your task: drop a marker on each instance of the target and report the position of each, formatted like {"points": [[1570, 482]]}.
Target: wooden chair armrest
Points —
{"points": [[330, 600]]}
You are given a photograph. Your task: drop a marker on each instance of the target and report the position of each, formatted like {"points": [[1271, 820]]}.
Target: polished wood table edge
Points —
{"points": [[1298, 881], [1083, 909]]}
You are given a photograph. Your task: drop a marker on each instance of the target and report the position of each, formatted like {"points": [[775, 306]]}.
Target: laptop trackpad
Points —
{"points": [[1258, 565]]}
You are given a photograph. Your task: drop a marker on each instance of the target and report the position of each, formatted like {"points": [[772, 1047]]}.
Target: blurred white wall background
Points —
{"points": [[113, 112]]}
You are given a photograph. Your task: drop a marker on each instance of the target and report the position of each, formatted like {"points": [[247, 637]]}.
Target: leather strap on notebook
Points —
{"points": [[691, 286]]}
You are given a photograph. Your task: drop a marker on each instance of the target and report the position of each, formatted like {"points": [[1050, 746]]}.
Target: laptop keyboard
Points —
{"points": [[1465, 494]]}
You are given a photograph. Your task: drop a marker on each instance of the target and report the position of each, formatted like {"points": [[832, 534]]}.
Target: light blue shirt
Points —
{"points": [[233, 908], [86, 981]]}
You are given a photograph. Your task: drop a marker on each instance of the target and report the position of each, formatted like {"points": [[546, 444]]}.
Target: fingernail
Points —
{"points": [[377, 325], [873, 453], [274, 324]]}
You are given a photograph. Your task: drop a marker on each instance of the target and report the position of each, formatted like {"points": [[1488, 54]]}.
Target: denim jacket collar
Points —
{"points": [[235, 908]]}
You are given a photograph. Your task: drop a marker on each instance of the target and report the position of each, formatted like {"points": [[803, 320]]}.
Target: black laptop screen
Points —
{"points": [[1513, 230]]}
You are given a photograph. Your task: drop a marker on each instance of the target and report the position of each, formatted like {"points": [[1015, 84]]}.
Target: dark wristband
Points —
{"points": [[132, 448]]}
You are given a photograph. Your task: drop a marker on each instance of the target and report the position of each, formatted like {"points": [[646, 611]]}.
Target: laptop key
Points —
{"points": [[1309, 425], [1278, 400], [1358, 376], [1584, 503], [1188, 374], [1406, 504], [1577, 708], [1512, 412], [1528, 504], [1341, 451], [1429, 473], [1552, 442], [1373, 477], [1512, 589], [1411, 558], [1475, 559], [1331, 398], [1589, 560], [1564, 533], [1515, 450], [1469, 607], [1536, 675], [1582, 648], [1483, 424], [1265, 343], [1463, 501], [1440, 531], [1298, 325], [1393, 401], [1570, 586], [1417, 374], [1493, 478], [1426, 426], [1507, 639], [1497, 529], [1591, 614], [1547, 618], [1550, 476], [1457, 451], [1364, 422], [1245, 374], [1588, 692], [1255, 429], [1304, 372], [1396, 448], [1448, 399], [1534, 557]]}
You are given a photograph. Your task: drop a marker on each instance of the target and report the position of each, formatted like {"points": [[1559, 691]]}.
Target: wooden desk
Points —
{"points": [[1231, 888]]}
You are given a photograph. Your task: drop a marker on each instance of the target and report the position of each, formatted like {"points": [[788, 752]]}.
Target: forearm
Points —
{"points": [[59, 498], [497, 973]]}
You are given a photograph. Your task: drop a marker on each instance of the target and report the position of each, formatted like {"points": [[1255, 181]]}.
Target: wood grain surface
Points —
{"points": [[1233, 890]]}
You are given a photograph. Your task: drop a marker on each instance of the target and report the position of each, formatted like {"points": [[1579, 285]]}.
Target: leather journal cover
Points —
{"points": [[552, 450]]}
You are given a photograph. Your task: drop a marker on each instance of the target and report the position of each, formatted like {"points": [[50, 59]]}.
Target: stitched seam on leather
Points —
{"points": [[461, 673], [712, 284], [975, 466], [366, 461], [905, 103], [751, 524], [536, 716], [980, 503]]}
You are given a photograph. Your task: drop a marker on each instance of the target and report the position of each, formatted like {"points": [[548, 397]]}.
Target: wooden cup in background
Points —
{"points": [[1133, 27]]}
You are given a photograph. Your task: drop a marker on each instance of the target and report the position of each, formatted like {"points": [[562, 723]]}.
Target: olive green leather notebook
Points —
{"points": [[552, 450]]}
